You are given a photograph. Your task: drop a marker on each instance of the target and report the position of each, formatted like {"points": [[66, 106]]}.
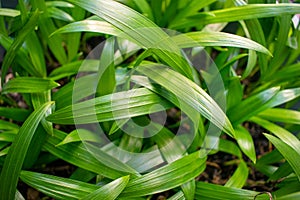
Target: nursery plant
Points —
{"points": [[150, 99]]}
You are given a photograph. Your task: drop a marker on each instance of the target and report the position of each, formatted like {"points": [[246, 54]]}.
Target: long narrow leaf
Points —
{"points": [[9, 12], [239, 13], [119, 105], [218, 192], [187, 91], [288, 153], [239, 177], [167, 177], [16, 155], [28, 85], [56, 187], [23, 33], [194, 39], [281, 115], [109, 191], [84, 158], [139, 29]]}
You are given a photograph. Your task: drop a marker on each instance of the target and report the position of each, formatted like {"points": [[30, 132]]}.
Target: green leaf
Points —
{"points": [[5, 125], [56, 187], [229, 147], [9, 12], [66, 95], [166, 177], [251, 106], [172, 149], [293, 196], [255, 33], [252, 11], [239, 177], [86, 160], [245, 141], [59, 4], [115, 106], [280, 132], [21, 57], [145, 8], [28, 85], [195, 39], [106, 70], [46, 27], [16, 155], [288, 153], [8, 136], [191, 8], [73, 41], [109, 191], [178, 196], [192, 39], [139, 29], [286, 73], [252, 57], [146, 161], [35, 50], [89, 26], [16, 114], [283, 171], [27, 28], [39, 99], [283, 96], [281, 115], [280, 44], [189, 92], [110, 160], [218, 192], [59, 14], [74, 136]]}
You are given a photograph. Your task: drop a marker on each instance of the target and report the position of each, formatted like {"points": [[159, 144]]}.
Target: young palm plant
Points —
{"points": [[181, 100]]}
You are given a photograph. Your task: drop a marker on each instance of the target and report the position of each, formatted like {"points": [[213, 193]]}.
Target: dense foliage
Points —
{"points": [[150, 99]]}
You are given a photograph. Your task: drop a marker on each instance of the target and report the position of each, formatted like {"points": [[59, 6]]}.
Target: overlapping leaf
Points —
{"points": [[14, 160]]}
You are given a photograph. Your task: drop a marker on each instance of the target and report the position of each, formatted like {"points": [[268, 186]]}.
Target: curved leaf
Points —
{"points": [[189, 92], [17, 43], [288, 153], [59, 14], [194, 39], [89, 26], [281, 115], [218, 192], [57, 187], [245, 141], [14, 160], [28, 85], [251, 11], [239, 177], [86, 160], [115, 106], [109, 191], [139, 29], [166, 177], [280, 132], [252, 105]]}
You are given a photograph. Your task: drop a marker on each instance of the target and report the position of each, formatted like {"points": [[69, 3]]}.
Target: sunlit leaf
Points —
{"points": [[120, 105], [239, 177], [109, 191]]}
